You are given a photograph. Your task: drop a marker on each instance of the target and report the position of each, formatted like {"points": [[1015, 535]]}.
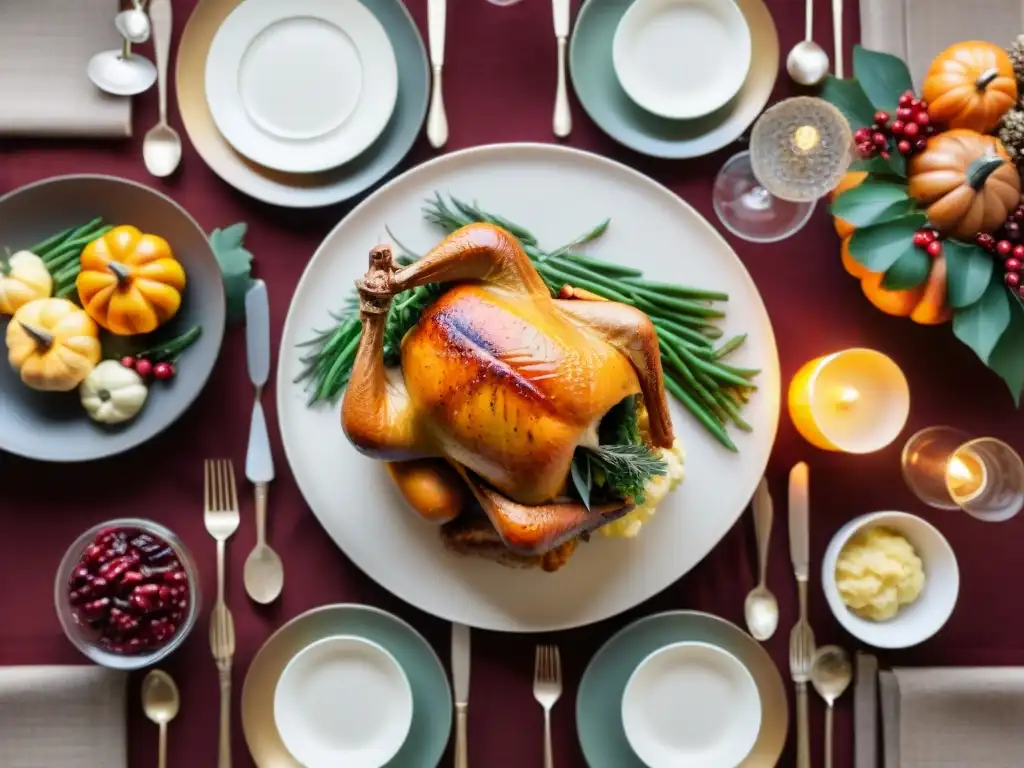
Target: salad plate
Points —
{"points": [[528, 184]]}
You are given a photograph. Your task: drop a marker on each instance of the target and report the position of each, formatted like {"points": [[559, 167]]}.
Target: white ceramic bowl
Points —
{"points": [[691, 705], [343, 701], [682, 58], [918, 621]]}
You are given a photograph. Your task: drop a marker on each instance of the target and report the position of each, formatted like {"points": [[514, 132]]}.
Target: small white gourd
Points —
{"points": [[112, 393]]}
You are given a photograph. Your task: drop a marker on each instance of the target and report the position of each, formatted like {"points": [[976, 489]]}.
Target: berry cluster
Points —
{"points": [[1005, 245], [927, 239], [145, 368], [908, 131]]}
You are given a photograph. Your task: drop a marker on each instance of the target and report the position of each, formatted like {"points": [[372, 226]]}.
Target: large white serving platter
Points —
{"points": [[558, 193]]}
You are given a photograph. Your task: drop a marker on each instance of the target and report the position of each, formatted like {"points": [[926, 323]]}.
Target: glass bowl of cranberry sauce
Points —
{"points": [[127, 593]]}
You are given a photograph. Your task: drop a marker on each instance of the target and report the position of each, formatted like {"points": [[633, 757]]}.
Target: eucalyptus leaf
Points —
{"points": [[1007, 359], [864, 204], [882, 76], [849, 98], [897, 164], [878, 246], [910, 270], [980, 325], [235, 265], [582, 478], [876, 165], [969, 270]]}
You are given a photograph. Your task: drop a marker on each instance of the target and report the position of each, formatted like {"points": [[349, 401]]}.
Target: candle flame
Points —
{"points": [[847, 397], [806, 138], [958, 470]]}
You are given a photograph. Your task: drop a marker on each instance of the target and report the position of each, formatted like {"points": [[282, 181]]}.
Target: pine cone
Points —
{"points": [[1011, 133], [1016, 52]]}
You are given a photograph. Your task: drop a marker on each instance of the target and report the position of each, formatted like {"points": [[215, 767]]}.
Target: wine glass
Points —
{"points": [[799, 150]]}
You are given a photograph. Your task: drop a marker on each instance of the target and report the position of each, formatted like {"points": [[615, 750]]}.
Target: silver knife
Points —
{"points": [[460, 686], [259, 464], [562, 122], [801, 638], [437, 120]]}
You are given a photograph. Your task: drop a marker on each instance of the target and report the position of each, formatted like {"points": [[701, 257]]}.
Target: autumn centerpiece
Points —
{"points": [[930, 213]]}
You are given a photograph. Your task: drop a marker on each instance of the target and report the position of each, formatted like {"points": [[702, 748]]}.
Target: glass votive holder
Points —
{"points": [[948, 469]]}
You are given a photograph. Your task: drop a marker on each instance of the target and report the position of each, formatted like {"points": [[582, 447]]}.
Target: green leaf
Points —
{"points": [[897, 163], [235, 264], [879, 246], [1007, 359], [910, 270], [581, 477], [980, 325], [875, 165], [969, 269], [865, 203], [849, 98], [883, 77]]}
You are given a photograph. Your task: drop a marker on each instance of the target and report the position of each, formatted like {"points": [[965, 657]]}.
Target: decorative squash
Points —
{"points": [[966, 181], [970, 85], [23, 278], [130, 282], [113, 394], [925, 304], [850, 180], [53, 344]]}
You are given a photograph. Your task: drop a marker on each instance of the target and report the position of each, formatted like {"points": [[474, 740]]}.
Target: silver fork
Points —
{"points": [[221, 519], [547, 689]]}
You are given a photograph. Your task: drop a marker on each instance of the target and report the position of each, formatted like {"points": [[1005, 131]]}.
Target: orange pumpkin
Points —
{"points": [[925, 304], [130, 282], [966, 182], [970, 85], [850, 180]]}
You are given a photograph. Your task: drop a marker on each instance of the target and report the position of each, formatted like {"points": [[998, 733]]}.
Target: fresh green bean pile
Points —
{"points": [[62, 254], [695, 370]]}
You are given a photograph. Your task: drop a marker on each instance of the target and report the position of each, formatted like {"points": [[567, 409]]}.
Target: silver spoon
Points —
{"points": [[761, 609], [133, 25], [160, 702], [161, 147], [831, 674], [807, 63]]}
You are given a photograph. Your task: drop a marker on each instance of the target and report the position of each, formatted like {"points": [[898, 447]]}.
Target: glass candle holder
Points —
{"points": [[855, 401], [799, 150], [948, 469]]}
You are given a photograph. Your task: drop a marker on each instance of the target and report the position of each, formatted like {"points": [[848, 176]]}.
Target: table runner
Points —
{"points": [[499, 86]]}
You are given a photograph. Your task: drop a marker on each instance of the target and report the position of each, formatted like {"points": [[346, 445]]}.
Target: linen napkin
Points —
{"points": [[954, 717], [917, 30], [45, 47], [63, 717]]}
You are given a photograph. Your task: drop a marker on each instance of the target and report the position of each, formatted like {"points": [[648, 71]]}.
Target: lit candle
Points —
{"points": [[965, 476], [855, 401]]}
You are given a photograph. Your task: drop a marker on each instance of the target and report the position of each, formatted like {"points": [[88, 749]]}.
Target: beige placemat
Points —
{"points": [[45, 47], [63, 717], [962, 717], [917, 30]]}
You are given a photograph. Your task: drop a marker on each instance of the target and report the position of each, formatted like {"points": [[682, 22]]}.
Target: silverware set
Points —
{"points": [[547, 690]]}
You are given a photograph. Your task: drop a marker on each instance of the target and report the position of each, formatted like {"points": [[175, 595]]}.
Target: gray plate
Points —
{"points": [[598, 89], [53, 426]]}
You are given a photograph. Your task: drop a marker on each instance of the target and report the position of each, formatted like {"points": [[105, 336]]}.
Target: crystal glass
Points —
{"points": [[799, 150], [948, 469]]}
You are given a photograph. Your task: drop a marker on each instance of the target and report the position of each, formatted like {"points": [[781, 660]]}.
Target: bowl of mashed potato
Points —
{"points": [[891, 579]]}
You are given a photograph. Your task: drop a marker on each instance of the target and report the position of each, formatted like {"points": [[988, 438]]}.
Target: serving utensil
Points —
{"points": [[161, 147], [837, 35], [160, 702], [437, 120], [801, 639], [221, 519], [133, 24], [831, 675], [547, 689], [562, 121], [761, 609], [807, 63], [460, 690], [264, 571]]}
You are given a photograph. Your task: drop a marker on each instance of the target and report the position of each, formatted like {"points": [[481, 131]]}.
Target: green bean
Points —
{"points": [[690, 336], [715, 370], [732, 410], [40, 249], [344, 360], [711, 331], [705, 418], [603, 267], [65, 291], [586, 274], [655, 311], [342, 335], [730, 346], [59, 263], [554, 273], [583, 239], [746, 373], [699, 389], [680, 291], [77, 244], [679, 305], [66, 274]]}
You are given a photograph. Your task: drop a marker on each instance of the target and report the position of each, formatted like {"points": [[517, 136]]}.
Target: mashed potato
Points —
{"points": [[655, 491], [878, 572]]}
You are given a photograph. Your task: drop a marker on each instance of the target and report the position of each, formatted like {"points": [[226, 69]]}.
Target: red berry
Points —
{"points": [[986, 241], [884, 155], [911, 130], [128, 361], [922, 104], [143, 367], [163, 371], [904, 114], [1012, 279], [1003, 247], [904, 147], [922, 119], [880, 139], [866, 148], [861, 135], [1012, 230], [897, 127], [934, 248], [881, 117], [1012, 264], [906, 98], [921, 239], [1018, 253], [921, 145]]}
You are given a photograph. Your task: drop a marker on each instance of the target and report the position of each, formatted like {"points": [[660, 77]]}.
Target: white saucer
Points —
{"points": [[343, 701], [301, 86], [682, 58], [691, 705]]}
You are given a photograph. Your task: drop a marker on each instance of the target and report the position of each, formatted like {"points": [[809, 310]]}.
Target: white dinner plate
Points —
{"points": [[301, 86], [343, 701], [682, 58], [652, 229], [691, 705]]}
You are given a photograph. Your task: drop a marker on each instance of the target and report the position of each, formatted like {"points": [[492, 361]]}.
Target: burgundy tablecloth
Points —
{"points": [[500, 80]]}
